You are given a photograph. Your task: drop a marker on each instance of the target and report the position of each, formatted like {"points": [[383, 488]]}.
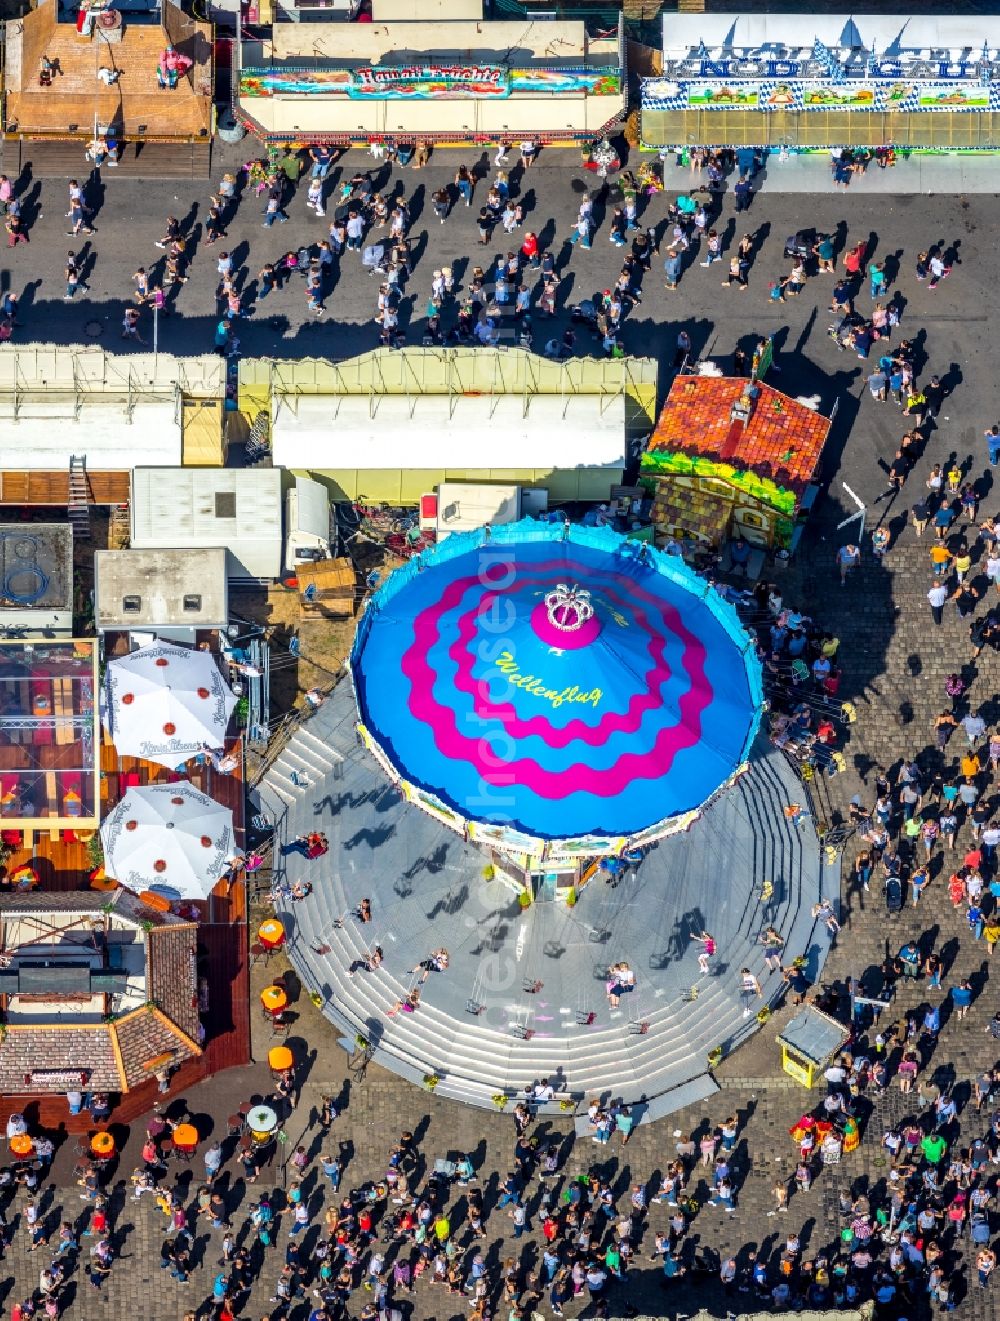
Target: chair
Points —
{"points": [[235, 1125], [259, 952], [245, 1108]]}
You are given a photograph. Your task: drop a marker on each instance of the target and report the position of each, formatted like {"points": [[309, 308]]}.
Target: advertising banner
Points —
{"points": [[908, 97], [429, 82]]}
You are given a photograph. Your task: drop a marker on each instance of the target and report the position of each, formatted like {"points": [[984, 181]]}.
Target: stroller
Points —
{"points": [[373, 257], [893, 894], [585, 313]]}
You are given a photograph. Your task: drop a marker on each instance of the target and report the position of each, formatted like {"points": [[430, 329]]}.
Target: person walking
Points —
{"points": [[273, 210], [708, 949], [937, 596], [848, 557], [581, 232], [993, 444], [73, 280]]}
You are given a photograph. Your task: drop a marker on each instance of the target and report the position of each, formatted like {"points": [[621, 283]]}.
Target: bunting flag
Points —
{"points": [[825, 56]]}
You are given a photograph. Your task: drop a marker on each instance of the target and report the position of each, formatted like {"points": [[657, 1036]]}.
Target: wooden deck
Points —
{"points": [[52, 488], [134, 105], [223, 940]]}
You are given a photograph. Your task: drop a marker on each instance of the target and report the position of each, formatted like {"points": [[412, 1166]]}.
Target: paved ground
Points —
{"points": [[894, 660], [130, 215]]}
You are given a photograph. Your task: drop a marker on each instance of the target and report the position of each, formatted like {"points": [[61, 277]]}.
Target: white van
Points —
{"points": [[307, 523]]}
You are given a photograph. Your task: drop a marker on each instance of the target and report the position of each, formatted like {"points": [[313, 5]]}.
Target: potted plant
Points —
{"points": [[571, 897], [431, 1080], [95, 850], [500, 1100], [524, 899]]}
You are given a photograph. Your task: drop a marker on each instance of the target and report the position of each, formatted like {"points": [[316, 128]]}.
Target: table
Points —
{"points": [[185, 1138], [21, 1146], [271, 934], [274, 999], [280, 1058], [262, 1122], [102, 1146]]}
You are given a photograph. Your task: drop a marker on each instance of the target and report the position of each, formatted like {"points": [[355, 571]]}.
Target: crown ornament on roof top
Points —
{"points": [[568, 608]]}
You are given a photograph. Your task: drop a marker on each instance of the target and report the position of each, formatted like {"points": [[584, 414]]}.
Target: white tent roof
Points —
{"points": [[682, 33], [452, 433], [48, 431]]}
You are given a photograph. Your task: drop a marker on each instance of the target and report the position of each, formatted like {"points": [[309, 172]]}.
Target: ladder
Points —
{"points": [[120, 527], [78, 507]]}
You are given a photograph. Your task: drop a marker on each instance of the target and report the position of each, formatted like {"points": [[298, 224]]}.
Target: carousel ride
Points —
{"points": [[558, 785]]}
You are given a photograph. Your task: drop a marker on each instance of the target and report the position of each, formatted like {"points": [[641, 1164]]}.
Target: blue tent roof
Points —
{"points": [[472, 676]]}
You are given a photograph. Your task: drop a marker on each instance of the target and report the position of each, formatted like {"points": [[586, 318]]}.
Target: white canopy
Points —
{"points": [[449, 432], [46, 432], [683, 33], [169, 837], [165, 703]]}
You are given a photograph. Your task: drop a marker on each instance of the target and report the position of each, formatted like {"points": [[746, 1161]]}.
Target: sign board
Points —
{"points": [[428, 82], [848, 65], [816, 95]]}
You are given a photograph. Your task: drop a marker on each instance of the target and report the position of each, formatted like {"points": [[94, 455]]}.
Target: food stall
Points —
{"points": [[807, 82], [809, 1042]]}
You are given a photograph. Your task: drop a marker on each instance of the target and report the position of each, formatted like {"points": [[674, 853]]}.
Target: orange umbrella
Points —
{"points": [[271, 933], [102, 1145], [186, 1137], [21, 1145], [274, 999], [279, 1058]]}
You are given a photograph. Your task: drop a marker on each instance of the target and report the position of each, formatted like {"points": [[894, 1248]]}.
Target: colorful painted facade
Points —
{"points": [[730, 457], [428, 83]]}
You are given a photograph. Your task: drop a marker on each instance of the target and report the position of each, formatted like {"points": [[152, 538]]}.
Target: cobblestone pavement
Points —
{"points": [[894, 662]]}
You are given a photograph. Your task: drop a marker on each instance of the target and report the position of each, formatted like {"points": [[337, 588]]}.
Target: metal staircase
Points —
{"points": [[79, 498]]}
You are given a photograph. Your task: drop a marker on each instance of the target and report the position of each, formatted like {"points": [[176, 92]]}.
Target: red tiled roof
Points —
{"points": [[145, 1037], [27, 1047], [172, 975], [783, 440]]}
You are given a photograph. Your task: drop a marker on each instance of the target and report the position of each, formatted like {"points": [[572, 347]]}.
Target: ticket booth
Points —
{"points": [[809, 1042]]}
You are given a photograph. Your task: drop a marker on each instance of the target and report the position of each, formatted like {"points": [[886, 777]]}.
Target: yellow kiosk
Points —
{"points": [[808, 1042]]}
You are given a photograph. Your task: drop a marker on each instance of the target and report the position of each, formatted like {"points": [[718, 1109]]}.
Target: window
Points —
{"points": [[225, 504], [192, 601], [131, 605]]}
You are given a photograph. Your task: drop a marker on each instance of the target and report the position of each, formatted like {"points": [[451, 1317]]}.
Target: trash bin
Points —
{"points": [[228, 127]]}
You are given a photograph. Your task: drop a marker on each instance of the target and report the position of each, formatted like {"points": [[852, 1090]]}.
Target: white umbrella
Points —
{"points": [[165, 703], [170, 836]]}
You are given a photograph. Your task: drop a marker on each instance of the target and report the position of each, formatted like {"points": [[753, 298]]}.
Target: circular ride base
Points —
{"points": [[524, 995]]}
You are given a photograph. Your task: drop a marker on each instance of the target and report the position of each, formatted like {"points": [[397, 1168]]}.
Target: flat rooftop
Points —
{"points": [[36, 567], [161, 589]]}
